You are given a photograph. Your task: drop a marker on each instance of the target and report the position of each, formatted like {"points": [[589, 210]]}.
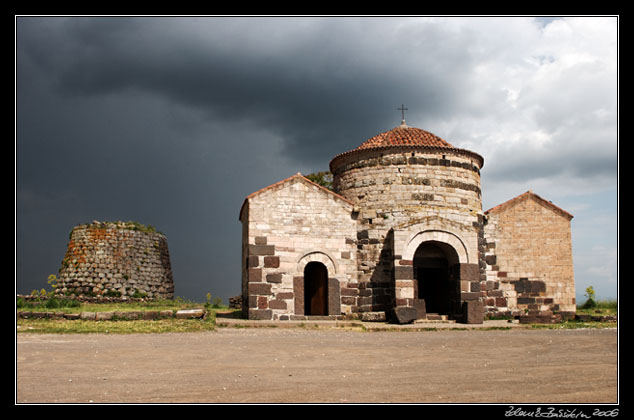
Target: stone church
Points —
{"points": [[402, 236]]}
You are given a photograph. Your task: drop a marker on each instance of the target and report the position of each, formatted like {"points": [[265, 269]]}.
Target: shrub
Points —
{"points": [[590, 302]]}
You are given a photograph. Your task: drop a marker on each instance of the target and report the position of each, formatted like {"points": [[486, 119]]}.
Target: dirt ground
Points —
{"points": [[298, 365]]}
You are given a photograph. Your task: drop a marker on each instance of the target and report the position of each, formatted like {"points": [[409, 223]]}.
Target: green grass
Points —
{"points": [[601, 307], [54, 326], [64, 326], [72, 306], [574, 325]]}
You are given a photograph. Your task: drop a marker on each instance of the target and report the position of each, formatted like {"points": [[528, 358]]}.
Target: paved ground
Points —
{"points": [[283, 365]]}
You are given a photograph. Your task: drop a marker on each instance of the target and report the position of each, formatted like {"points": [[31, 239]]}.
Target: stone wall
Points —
{"points": [[116, 259], [401, 194], [286, 226], [529, 258]]}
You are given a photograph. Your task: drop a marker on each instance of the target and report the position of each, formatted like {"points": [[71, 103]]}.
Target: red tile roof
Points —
{"points": [[404, 136], [529, 194]]}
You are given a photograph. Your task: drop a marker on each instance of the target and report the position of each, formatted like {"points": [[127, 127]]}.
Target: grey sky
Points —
{"points": [[172, 121]]}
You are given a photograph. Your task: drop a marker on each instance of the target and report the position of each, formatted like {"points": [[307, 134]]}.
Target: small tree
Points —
{"points": [[590, 302], [322, 178], [52, 281]]}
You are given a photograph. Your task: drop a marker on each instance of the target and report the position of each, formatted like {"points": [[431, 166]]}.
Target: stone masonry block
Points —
{"points": [[334, 297], [469, 272], [277, 304], [405, 314], [261, 249], [252, 261], [260, 314], [274, 278], [403, 272], [298, 288], [469, 296], [259, 289], [473, 312], [271, 262], [255, 275]]}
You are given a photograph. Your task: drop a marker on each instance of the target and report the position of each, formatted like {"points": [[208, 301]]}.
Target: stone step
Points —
{"points": [[435, 318]]}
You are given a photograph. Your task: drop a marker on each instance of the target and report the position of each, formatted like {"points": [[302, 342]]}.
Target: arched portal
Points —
{"points": [[315, 289], [436, 277]]}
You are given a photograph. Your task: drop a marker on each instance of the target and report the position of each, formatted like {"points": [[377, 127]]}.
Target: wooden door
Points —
{"points": [[316, 289]]}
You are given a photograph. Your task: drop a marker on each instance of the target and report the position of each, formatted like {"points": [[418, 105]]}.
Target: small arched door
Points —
{"points": [[435, 282], [315, 289]]}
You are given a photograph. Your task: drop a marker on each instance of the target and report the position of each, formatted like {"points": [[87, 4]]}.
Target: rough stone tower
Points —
{"points": [[117, 260], [419, 226]]}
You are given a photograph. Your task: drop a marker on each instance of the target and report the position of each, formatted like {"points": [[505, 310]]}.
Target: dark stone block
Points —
{"points": [[348, 300], [405, 314], [260, 314], [259, 289], [534, 287], [404, 272], [271, 262], [421, 309], [538, 287], [255, 274], [363, 234], [260, 240], [252, 261], [347, 291], [261, 249], [334, 297], [472, 312], [491, 259], [470, 272], [277, 304], [298, 289], [468, 296], [274, 278]]}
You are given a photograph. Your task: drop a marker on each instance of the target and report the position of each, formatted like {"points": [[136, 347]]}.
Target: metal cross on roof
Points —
{"points": [[402, 109]]}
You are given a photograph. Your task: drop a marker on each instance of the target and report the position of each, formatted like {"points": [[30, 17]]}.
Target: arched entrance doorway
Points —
{"points": [[436, 279], [315, 289]]}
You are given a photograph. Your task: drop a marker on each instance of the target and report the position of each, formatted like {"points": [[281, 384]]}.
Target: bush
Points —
{"points": [[55, 303], [590, 302]]}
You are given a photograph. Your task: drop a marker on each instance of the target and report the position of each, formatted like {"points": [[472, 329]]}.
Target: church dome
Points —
{"points": [[398, 139], [404, 135]]}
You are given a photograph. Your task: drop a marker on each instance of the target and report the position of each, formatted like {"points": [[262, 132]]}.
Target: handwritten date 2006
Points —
{"points": [[559, 413]]}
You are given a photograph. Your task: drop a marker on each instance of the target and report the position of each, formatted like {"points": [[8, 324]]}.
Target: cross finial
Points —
{"points": [[402, 109]]}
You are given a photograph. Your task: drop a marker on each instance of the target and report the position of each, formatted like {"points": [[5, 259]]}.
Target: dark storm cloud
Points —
{"points": [[317, 75], [173, 121]]}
